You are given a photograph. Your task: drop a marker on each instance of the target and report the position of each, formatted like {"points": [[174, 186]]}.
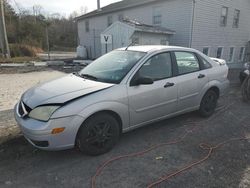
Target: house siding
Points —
{"points": [[196, 22], [121, 36], [207, 31], [150, 38], [176, 15]]}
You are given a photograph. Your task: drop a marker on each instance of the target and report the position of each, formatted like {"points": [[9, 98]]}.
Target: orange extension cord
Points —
{"points": [[203, 146]]}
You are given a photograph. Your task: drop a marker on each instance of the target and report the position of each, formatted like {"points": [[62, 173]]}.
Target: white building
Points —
{"points": [[219, 28], [128, 32]]}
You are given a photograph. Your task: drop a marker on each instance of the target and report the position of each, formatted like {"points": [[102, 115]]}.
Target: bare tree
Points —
{"points": [[37, 10], [83, 10]]}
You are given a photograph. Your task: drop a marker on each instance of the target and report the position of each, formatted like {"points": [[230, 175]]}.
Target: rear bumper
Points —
{"points": [[38, 133]]}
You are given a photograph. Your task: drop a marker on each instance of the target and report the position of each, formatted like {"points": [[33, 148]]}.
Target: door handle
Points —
{"points": [[201, 76], [169, 85]]}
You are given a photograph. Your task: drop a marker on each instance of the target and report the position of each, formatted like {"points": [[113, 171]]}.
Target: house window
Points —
{"points": [[236, 18], [242, 51], [231, 54], [157, 17], [110, 20], [219, 52], [224, 14], [87, 26], [206, 51], [120, 17]]}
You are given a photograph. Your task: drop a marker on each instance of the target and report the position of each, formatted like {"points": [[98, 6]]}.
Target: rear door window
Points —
{"points": [[186, 62], [205, 63]]}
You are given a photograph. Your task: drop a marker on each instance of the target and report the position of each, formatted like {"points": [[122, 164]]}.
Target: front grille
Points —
{"points": [[23, 109]]}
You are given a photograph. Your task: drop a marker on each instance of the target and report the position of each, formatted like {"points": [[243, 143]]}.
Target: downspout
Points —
{"points": [[192, 24]]}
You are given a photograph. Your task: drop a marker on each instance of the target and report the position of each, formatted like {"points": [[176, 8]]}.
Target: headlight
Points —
{"points": [[247, 65], [43, 113]]}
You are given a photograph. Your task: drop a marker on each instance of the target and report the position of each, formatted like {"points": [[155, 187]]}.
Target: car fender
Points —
{"points": [[209, 85], [120, 109]]}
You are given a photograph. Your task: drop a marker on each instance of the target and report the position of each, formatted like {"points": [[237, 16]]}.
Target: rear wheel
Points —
{"points": [[208, 103], [98, 134]]}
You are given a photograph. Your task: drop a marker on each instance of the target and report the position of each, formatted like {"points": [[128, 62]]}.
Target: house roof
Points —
{"points": [[148, 28], [125, 4]]}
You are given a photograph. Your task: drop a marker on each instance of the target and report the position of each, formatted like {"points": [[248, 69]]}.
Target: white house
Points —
{"points": [[219, 28], [128, 32]]}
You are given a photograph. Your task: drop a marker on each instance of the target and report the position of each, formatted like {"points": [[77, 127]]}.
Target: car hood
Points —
{"points": [[61, 90]]}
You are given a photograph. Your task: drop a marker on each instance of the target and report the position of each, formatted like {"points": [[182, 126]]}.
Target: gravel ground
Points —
{"points": [[11, 88], [13, 85], [23, 166]]}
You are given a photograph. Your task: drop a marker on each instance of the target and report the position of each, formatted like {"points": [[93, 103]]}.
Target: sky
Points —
{"points": [[64, 7]]}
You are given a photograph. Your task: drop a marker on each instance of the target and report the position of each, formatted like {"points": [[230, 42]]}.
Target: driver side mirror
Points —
{"points": [[142, 81]]}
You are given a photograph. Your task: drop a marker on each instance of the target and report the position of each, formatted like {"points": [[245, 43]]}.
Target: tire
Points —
{"points": [[245, 90], [98, 134], [242, 77], [208, 103]]}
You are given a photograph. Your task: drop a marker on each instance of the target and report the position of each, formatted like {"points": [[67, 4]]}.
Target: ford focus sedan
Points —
{"points": [[121, 91]]}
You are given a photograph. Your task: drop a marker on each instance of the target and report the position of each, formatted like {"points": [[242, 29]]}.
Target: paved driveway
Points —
{"points": [[21, 165]]}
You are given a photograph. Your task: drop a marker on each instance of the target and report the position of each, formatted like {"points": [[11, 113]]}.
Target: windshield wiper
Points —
{"points": [[76, 73], [88, 76]]}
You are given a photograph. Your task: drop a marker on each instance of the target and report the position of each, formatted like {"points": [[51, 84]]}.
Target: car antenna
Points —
{"points": [[131, 44]]}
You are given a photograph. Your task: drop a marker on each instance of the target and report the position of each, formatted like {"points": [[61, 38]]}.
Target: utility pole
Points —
{"points": [[47, 40], [6, 49], [1, 41]]}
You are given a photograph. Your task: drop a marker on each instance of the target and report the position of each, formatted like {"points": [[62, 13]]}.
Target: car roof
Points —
{"points": [[154, 48]]}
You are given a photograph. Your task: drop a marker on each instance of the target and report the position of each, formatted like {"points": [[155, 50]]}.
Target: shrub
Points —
{"points": [[21, 50]]}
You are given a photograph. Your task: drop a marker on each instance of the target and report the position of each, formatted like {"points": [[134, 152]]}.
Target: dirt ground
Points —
{"points": [[11, 88], [21, 165], [13, 85]]}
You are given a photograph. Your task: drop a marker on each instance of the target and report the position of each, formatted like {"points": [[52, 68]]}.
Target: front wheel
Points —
{"points": [[98, 134], [208, 104]]}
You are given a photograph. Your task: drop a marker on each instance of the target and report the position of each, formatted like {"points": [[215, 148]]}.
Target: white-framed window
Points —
{"points": [[87, 26], [231, 54], [120, 17], [224, 15], [236, 18], [157, 16], [206, 51], [219, 52], [110, 20], [242, 53]]}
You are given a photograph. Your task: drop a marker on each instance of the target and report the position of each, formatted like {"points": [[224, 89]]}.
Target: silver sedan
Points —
{"points": [[122, 90]]}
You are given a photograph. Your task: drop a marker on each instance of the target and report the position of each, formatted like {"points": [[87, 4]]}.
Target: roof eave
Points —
{"points": [[157, 32], [101, 12]]}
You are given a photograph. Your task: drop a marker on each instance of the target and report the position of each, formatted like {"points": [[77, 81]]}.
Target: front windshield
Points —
{"points": [[112, 67]]}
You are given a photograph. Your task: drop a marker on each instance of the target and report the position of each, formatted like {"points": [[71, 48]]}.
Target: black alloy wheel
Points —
{"points": [[98, 134], [208, 104]]}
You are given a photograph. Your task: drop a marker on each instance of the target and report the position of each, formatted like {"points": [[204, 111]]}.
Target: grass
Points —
{"points": [[19, 59]]}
